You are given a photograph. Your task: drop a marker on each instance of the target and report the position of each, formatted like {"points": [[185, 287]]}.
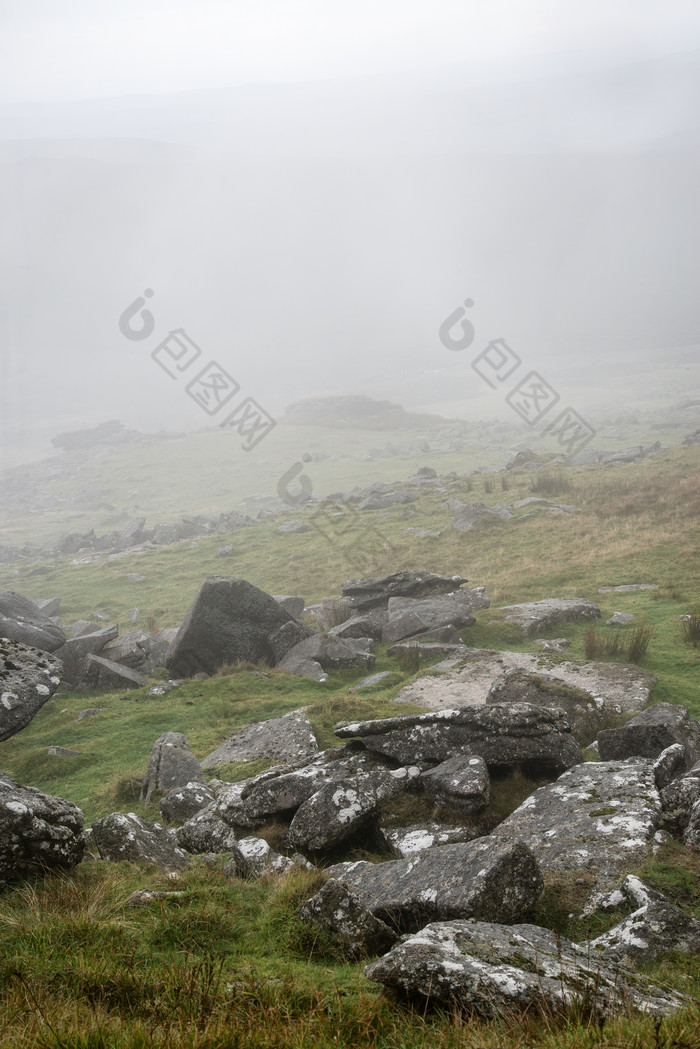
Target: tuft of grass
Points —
{"points": [[551, 483], [690, 629]]}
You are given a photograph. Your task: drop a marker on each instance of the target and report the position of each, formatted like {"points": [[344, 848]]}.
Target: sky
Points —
{"points": [[80, 49]]}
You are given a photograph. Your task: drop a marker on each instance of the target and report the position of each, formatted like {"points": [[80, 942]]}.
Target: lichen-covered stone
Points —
{"points": [[461, 781], [28, 678], [405, 842], [182, 803], [338, 912], [38, 832], [206, 832], [254, 858], [125, 836], [171, 764], [289, 738]]}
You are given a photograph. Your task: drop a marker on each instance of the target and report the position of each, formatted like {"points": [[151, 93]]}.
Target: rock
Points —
{"points": [[586, 714], [48, 605], [492, 969], [408, 617], [372, 681], [142, 897], [405, 842], [383, 500], [124, 836], [140, 650], [73, 653], [103, 675], [225, 551], [38, 832], [294, 527], [460, 781], [337, 811], [504, 735], [598, 817], [331, 612], [88, 713], [171, 764], [428, 650], [294, 605], [254, 858], [654, 928], [679, 797], [468, 516], [554, 644], [484, 879], [691, 835], [28, 678], [288, 738], [535, 616], [164, 687], [650, 732], [329, 652], [338, 912], [303, 667], [206, 832], [80, 627], [619, 619], [181, 803], [229, 797], [375, 592], [229, 621], [285, 637], [670, 764], [23, 621], [367, 625], [62, 752], [627, 588]]}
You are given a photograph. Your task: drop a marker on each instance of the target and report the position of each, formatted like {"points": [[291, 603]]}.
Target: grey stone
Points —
{"points": [[671, 763], [28, 678], [38, 832], [171, 764], [485, 879], [23, 621], [62, 752], [140, 650], [679, 797], [181, 803], [76, 649], [554, 644], [206, 832], [650, 732], [285, 637], [507, 734], [101, 674], [229, 798], [619, 619], [586, 714], [331, 653], [338, 912], [427, 649], [372, 681], [48, 605], [367, 625], [294, 605], [254, 858], [301, 666], [467, 516], [494, 969], [80, 627], [294, 527], [536, 616], [288, 738], [125, 836], [374, 592], [229, 621], [405, 842], [460, 781], [627, 588], [599, 817], [691, 835], [408, 617]]}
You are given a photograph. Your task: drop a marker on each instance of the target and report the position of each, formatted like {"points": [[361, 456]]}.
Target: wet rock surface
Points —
{"points": [[28, 679], [38, 832]]}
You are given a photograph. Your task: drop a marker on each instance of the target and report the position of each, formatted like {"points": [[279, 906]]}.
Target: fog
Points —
{"points": [[309, 196]]}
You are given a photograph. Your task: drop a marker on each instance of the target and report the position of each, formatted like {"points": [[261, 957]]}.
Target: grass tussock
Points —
{"points": [[625, 648]]}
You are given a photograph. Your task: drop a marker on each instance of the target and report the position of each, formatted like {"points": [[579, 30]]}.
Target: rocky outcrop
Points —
{"points": [[102, 675], [374, 592], [651, 732], [23, 621], [171, 764], [288, 738], [125, 836], [28, 678], [38, 832], [536, 616], [502, 734]]}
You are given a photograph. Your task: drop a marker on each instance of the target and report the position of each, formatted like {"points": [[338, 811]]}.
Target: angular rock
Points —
{"points": [[254, 858], [23, 621], [650, 732], [485, 879], [102, 675], [492, 969], [428, 649], [372, 680], [535, 616], [171, 764], [329, 652], [124, 836], [467, 516], [670, 764], [286, 637], [586, 713], [367, 625], [409, 616], [76, 649], [691, 835], [206, 832], [229, 797], [48, 605], [405, 842], [679, 797], [28, 678], [460, 781], [337, 811], [140, 650], [502, 734], [598, 817], [229, 621], [183, 802], [288, 738], [301, 666], [375, 592], [294, 605], [338, 912], [38, 832]]}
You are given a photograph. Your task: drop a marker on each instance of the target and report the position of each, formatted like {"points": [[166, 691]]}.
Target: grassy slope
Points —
{"points": [[228, 963]]}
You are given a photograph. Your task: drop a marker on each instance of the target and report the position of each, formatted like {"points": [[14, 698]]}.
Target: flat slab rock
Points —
{"points": [[488, 879], [375, 591], [535, 616], [598, 817], [494, 968], [467, 681], [28, 678], [289, 738]]}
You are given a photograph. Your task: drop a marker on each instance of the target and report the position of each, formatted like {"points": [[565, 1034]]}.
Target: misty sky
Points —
{"points": [[77, 49]]}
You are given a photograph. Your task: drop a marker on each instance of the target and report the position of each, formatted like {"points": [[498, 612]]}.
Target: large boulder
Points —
{"points": [[493, 968], [411, 616], [22, 620], [206, 832], [125, 836], [488, 879], [182, 803], [599, 817], [102, 675], [229, 621], [504, 735], [331, 653], [288, 738], [336, 910], [651, 732], [375, 592], [76, 649], [536, 616], [38, 832], [171, 764], [139, 650], [28, 678], [586, 713]]}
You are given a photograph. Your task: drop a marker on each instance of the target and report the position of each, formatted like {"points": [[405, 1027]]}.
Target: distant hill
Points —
{"points": [[355, 410]]}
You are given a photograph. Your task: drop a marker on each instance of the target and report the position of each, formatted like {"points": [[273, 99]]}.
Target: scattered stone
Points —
{"points": [[554, 644], [375, 592], [303, 667], [331, 653], [536, 616], [74, 651], [467, 516], [206, 832], [171, 764], [102, 675], [410, 616], [372, 681], [427, 650], [225, 551], [338, 912], [28, 678], [23, 621], [288, 738], [164, 687], [294, 527], [62, 752], [142, 897], [124, 836], [38, 832], [627, 588], [89, 712], [619, 619]]}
